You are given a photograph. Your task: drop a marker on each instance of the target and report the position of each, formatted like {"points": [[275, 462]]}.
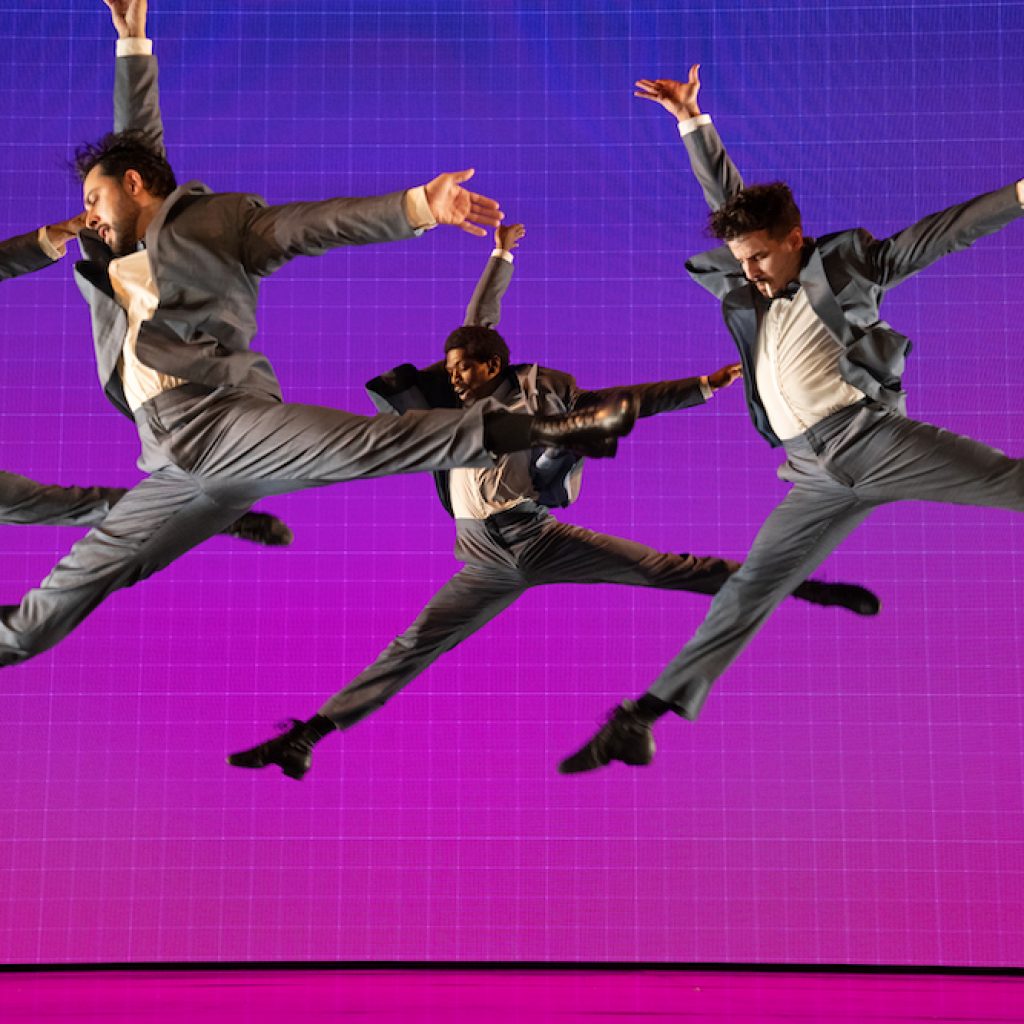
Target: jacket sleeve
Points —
{"points": [[273, 235], [137, 99], [712, 166], [896, 258], [717, 269], [655, 398], [22, 254], [484, 309]]}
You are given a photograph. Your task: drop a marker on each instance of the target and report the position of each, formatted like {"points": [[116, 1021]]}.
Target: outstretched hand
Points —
{"points": [[129, 17], [725, 376], [451, 204], [507, 236], [678, 98]]}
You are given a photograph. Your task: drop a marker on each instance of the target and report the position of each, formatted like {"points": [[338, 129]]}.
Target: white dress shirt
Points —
{"points": [[796, 368], [480, 493]]}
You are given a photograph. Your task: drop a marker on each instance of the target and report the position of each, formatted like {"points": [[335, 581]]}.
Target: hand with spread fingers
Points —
{"points": [[450, 203], [678, 98]]}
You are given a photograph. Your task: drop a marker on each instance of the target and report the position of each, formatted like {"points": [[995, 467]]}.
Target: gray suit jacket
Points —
{"points": [[845, 276], [22, 255], [208, 253], [555, 472]]}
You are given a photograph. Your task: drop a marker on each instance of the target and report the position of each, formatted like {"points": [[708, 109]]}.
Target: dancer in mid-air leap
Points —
{"points": [[822, 375]]}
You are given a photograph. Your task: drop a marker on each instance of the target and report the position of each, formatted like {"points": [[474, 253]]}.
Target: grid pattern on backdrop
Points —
{"points": [[853, 792]]}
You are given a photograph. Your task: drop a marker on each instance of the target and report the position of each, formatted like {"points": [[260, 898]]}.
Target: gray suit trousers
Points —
{"points": [[505, 555], [210, 455], [26, 503], [841, 470]]}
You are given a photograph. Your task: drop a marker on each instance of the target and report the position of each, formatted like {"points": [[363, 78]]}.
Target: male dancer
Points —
{"points": [[25, 502], [505, 535], [822, 375], [171, 278]]}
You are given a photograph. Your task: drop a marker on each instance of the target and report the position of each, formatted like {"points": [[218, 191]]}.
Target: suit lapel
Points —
{"points": [[741, 318], [822, 299]]}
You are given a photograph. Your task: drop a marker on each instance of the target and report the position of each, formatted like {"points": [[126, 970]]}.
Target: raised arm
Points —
{"points": [[136, 90], [484, 309], [711, 165]]}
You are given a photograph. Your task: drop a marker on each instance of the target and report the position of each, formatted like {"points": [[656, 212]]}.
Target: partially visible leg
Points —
{"points": [[467, 602], [153, 524], [564, 553], [26, 502], [572, 554], [897, 458]]}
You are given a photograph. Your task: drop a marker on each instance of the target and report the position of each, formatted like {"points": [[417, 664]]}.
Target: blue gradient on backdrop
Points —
{"points": [[853, 792]]}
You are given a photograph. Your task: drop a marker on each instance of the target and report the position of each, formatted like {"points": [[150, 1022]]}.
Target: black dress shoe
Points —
{"points": [[261, 528], [858, 600], [594, 431], [624, 737], [291, 750]]}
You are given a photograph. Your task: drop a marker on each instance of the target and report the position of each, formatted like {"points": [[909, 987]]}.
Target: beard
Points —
{"points": [[124, 239]]}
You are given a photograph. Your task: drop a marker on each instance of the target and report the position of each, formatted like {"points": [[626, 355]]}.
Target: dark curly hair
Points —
{"points": [[759, 208], [480, 343], [119, 152]]}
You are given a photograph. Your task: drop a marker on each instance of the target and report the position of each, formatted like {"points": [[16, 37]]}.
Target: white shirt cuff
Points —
{"points": [[133, 46], [691, 124], [503, 254], [705, 388], [1020, 191], [53, 251], [417, 209]]}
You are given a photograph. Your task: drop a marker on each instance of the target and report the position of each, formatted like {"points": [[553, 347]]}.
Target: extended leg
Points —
{"points": [[797, 536], [467, 602], [155, 522], [26, 502], [572, 554]]}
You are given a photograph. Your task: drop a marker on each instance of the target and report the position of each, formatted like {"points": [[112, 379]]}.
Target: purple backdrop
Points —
{"points": [[853, 792]]}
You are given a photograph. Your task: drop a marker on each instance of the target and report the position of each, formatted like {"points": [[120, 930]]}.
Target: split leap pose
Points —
{"points": [[171, 277], [822, 376]]}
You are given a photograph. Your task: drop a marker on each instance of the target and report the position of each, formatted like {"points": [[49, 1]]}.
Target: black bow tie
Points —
{"points": [[788, 293]]}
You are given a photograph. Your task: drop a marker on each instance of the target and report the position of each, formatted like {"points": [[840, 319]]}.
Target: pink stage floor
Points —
{"points": [[501, 997]]}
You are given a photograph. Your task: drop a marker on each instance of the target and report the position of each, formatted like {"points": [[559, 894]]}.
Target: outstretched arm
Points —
{"points": [[896, 258], [272, 235], [711, 165], [484, 307], [34, 250], [136, 90], [667, 395]]}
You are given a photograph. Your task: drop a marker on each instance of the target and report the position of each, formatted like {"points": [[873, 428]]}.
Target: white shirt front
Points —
{"points": [[482, 492], [135, 290], [796, 368]]}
